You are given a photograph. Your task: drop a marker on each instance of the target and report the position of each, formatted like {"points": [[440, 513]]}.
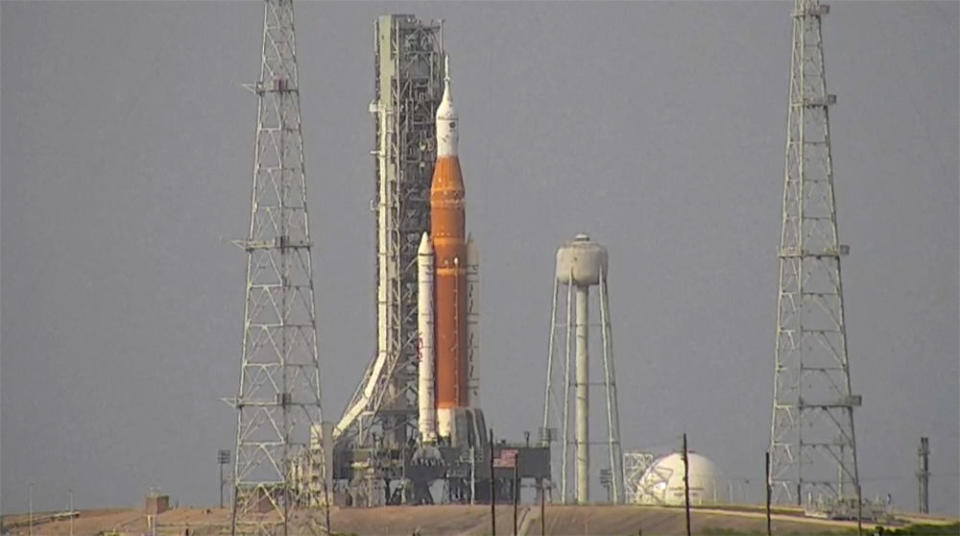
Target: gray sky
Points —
{"points": [[659, 128]]}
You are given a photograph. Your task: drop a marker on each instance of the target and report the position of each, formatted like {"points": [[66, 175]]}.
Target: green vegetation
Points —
{"points": [[926, 530], [735, 532], [911, 530]]}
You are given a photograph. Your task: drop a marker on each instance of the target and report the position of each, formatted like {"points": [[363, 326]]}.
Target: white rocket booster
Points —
{"points": [[473, 319], [425, 395]]}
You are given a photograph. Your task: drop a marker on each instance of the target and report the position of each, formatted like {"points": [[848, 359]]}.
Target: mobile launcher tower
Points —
{"points": [[413, 420]]}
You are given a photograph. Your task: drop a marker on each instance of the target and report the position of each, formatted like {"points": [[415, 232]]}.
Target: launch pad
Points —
{"points": [[438, 474], [413, 432]]}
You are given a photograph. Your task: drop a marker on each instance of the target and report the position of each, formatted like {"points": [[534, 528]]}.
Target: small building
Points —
{"points": [[156, 504]]}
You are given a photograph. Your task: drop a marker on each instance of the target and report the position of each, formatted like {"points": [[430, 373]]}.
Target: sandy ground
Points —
{"points": [[444, 520]]}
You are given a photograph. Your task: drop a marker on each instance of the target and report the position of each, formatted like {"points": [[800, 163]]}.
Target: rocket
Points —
{"points": [[447, 276]]}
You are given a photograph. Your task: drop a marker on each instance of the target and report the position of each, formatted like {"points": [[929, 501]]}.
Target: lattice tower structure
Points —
{"points": [[408, 87], [813, 449], [635, 465], [278, 399]]}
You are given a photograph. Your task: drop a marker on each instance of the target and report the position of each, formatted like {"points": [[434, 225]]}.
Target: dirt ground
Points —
{"points": [[439, 521]]}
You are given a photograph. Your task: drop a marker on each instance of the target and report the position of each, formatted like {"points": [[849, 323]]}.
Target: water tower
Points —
{"points": [[581, 264]]}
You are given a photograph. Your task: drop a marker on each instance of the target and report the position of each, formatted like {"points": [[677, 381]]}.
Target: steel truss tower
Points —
{"points": [[813, 449], [278, 401], [408, 88]]}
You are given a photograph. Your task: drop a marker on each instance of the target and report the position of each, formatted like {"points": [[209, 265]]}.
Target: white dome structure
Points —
{"points": [[662, 481]]}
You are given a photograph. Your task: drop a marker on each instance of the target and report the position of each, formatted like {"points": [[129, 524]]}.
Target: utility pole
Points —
{"points": [[516, 493], [767, 486], [72, 511], [30, 509], [923, 475], [493, 492], [278, 397], [813, 451], [543, 508], [686, 482]]}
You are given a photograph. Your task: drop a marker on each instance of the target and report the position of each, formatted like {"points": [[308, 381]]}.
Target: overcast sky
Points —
{"points": [[659, 128]]}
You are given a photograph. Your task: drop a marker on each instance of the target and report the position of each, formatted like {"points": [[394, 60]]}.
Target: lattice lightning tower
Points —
{"points": [[812, 442], [278, 401]]}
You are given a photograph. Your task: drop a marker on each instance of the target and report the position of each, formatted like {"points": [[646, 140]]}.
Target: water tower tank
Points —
{"points": [[581, 260]]}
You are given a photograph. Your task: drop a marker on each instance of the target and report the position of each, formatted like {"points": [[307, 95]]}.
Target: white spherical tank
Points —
{"points": [[662, 482], [582, 261]]}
